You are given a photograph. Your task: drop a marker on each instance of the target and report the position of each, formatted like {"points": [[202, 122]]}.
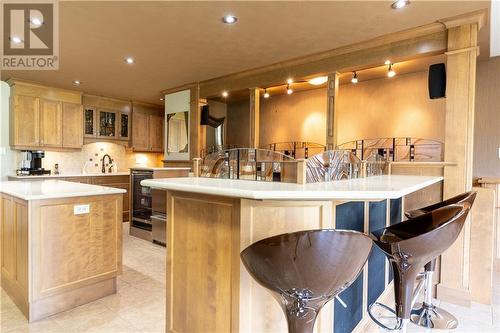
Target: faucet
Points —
{"points": [[103, 169]]}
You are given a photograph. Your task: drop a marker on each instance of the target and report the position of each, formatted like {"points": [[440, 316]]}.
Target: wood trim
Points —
{"points": [[477, 17], [254, 117], [331, 112]]}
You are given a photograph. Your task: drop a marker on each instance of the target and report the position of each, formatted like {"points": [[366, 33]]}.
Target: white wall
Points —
{"points": [[7, 157]]}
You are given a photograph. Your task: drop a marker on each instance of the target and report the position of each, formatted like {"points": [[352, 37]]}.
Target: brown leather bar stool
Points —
{"points": [[426, 314], [411, 244], [304, 270]]}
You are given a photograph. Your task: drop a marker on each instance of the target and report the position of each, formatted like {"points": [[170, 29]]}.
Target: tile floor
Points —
{"points": [[140, 302]]}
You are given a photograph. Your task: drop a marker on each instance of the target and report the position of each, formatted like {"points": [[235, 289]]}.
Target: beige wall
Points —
{"points": [[296, 117], [397, 107], [73, 161], [238, 123], [487, 119]]}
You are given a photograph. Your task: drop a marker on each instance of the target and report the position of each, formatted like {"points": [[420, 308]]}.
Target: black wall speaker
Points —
{"points": [[437, 81]]}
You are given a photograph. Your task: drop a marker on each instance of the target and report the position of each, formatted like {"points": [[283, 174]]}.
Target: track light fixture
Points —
{"points": [[289, 90], [354, 77], [390, 71], [266, 94]]}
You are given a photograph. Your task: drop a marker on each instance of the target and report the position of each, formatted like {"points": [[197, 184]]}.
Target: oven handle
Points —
{"points": [[159, 217]]}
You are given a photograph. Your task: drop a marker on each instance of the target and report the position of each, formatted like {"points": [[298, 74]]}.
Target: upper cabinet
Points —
{"points": [[147, 128], [44, 117], [106, 119]]}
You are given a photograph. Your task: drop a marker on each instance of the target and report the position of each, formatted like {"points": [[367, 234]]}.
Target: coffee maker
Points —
{"points": [[31, 163]]}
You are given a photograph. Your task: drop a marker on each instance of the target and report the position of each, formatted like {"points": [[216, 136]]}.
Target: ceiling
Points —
{"points": [[175, 43]]}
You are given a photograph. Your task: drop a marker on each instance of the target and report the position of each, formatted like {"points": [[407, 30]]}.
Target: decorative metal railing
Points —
{"points": [[396, 149], [296, 149]]}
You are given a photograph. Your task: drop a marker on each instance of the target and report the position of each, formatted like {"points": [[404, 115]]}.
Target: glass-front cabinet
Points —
{"points": [[106, 124]]}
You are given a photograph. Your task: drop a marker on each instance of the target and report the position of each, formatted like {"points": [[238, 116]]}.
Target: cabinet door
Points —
{"points": [[124, 126], [90, 121], [50, 123], [107, 124], [25, 121], [156, 133], [140, 131], [72, 125]]}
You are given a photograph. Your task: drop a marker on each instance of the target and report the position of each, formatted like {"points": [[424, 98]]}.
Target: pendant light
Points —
{"points": [[390, 71], [354, 77]]}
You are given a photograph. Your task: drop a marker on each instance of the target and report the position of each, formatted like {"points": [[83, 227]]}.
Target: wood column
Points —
{"points": [[254, 117], [196, 131], [331, 113], [459, 134]]}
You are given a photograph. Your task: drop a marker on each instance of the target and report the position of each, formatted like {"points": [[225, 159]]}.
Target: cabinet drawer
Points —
{"points": [[108, 180]]}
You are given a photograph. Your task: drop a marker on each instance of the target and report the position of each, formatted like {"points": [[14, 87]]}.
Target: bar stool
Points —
{"points": [[411, 244], [426, 314], [304, 270]]}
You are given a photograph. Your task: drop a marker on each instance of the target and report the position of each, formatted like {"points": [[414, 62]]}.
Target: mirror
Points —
{"points": [[177, 129], [177, 106]]}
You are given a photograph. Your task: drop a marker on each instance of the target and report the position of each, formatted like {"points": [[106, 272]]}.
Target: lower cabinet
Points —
{"points": [[122, 182]]}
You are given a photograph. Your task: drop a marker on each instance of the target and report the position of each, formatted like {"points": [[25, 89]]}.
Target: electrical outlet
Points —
{"points": [[81, 209]]}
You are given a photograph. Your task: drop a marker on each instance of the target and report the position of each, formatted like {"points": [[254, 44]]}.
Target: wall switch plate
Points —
{"points": [[81, 209]]}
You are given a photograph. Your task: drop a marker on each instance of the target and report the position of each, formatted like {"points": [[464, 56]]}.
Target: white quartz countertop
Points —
{"points": [[53, 189], [65, 175], [376, 187]]}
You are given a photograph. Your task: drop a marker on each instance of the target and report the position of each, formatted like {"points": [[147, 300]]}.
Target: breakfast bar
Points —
{"points": [[60, 244], [210, 221]]}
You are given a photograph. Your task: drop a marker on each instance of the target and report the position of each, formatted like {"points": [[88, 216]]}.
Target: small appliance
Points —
{"points": [[31, 163]]}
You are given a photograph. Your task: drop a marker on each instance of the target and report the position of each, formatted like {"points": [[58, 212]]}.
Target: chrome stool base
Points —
{"points": [[433, 317]]}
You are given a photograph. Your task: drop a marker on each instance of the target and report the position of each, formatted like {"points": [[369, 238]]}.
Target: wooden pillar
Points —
{"points": [[196, 131], [254, 117], [459, 134], [331, 115]]}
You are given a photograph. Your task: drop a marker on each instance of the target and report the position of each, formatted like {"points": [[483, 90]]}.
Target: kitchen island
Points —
{"points": [[210, 221], [60, 244]]}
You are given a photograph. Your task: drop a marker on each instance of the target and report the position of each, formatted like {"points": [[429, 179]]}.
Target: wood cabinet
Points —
{"points": [[62, 259], [106, 119], [119, 181], [147, 127], [44, 117], [72, 132], [50, 123], [24, 121], [140, 137]]}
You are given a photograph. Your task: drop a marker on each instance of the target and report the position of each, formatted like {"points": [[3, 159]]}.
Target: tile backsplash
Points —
{"points": [[74, 161]]}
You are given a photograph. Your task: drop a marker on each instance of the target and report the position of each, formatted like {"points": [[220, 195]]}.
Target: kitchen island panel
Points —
{"points": [[262, 219], [14, 242], [202, 263]]}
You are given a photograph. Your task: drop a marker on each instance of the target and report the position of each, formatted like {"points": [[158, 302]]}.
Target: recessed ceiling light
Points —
{"points": [[225, 94], [16, 40], [318, 80], [289, 81], [36, 21], [387, 62], [129, 60], [161, 99], [76, 82], [229, 19], [400, 4]]}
